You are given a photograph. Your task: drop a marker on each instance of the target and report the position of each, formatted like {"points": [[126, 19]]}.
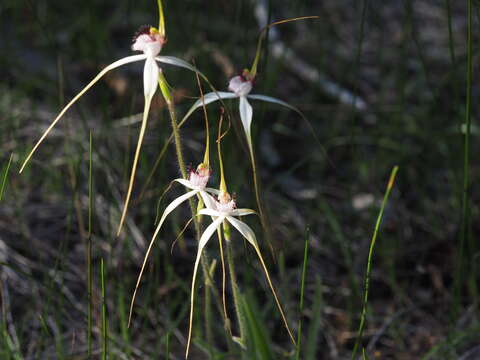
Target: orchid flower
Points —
{"points": [[150, 41], [224, 210], [240, 87], [197, 183]]}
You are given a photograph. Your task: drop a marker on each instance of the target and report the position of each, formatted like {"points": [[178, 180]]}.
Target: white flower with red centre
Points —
{"points": [[240, 87], [220, 210], [199, 177], [225, 204], [150, 41]]}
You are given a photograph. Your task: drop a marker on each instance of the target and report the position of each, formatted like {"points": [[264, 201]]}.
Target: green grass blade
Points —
{"points": [[257, 340], [364, 354], [302, 292], [315, 324], [104, 313], [370, 258], [89, 252], [5, 176], [464, 229]]}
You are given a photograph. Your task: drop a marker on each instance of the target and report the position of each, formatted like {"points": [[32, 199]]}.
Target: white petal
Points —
{"points": [[245, 230], [212, 191], [208, 200], [207, 99], [274, 101], [112, 66], [172, 207], [207, 234], [186, 183], [167, 211], [150, 77], [242, 212], [172, 60], [246, 114], [210, 212]]}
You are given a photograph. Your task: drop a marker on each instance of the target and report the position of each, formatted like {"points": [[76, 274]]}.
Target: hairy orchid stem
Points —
{"points": [[237, 301], [183, 170]]}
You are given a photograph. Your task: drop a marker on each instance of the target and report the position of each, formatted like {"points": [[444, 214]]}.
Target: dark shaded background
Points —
{"points": [[407, 78]]}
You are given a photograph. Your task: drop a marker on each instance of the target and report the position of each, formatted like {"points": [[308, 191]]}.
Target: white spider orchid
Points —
{"points": [[224, 210], [240, 87], [150, 41], [197, 183]]}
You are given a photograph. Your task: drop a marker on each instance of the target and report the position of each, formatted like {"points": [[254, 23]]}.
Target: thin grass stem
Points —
{"points": [[302, 293], [237, 301], [5, 176], [104, 312], [465, 214], [89, 251], [361, 327]]}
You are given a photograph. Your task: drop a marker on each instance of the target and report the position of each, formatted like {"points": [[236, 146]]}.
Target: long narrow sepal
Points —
{"points": [[246, 114], [135, 162], [249, 235], [207, 234], [150, 77], [242, 212], [291, 107], [209, 212], [112, 66], [172, 60], [172, 206], [274, 101], [207, 99]]}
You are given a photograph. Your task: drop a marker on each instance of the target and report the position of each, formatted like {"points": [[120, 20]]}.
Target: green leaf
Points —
{"points": [[258, 342]]}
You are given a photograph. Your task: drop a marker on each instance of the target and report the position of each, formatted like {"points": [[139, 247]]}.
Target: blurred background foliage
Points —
{"points": [[402, 79]]}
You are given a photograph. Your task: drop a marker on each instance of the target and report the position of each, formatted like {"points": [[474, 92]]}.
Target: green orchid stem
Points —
{"points": [[181, 163], [208, 318], [237, 300], [173, 117]]}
